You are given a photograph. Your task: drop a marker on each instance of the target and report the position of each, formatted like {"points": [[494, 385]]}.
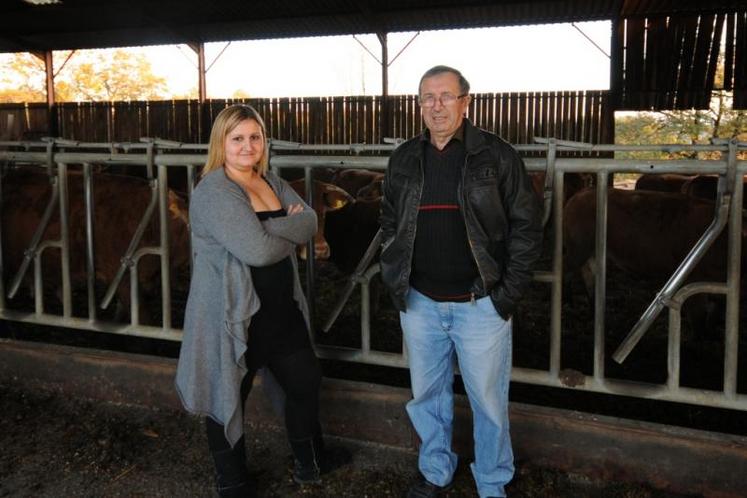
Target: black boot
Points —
{"points": [[305, 462], [330, 457], [231, 474]]}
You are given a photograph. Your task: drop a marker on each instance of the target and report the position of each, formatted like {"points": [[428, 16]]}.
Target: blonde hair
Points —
{"points": [[228, 119]]}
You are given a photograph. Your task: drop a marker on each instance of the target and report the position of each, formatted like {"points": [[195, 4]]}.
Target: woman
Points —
{"points": [[246, 309]]}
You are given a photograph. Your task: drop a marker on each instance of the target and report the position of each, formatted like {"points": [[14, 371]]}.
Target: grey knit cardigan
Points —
{"points": [[227, 237]]}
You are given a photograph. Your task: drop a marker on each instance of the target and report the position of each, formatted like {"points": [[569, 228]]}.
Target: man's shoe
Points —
{"points": [[425, 489]]}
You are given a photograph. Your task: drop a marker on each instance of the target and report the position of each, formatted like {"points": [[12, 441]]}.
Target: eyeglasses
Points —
{"points": [[444, 98]]}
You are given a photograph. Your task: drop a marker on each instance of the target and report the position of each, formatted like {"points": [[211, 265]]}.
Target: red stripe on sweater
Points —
{"points": [[432, 207]]}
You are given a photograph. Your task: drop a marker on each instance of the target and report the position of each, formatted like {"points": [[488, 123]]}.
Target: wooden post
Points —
{"points": [[199, 49], [385, 125], [616, 80], [52, 120]]}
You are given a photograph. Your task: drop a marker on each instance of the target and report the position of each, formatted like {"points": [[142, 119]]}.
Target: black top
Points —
{"points": [[278, 328]]}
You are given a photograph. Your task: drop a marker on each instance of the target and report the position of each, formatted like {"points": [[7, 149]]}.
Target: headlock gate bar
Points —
{"points": [[161, 159]]}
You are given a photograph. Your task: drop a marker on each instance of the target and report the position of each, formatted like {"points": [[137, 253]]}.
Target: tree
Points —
{"points": [[88, 75], [22, 79], [682, 127], [240, 94]]}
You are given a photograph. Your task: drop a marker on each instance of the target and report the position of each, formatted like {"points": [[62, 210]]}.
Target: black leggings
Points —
{"points": [[299, 375]]}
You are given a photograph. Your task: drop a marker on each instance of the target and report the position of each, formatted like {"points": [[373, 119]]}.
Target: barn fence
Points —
{"points": [[728, 218], [517, 117]]}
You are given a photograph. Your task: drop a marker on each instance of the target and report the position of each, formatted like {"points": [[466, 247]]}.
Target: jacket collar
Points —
{"points": [[472, 137], [474, 140]]}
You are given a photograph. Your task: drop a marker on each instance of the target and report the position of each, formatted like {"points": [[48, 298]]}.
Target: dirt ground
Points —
{"points": [[55, 446]]}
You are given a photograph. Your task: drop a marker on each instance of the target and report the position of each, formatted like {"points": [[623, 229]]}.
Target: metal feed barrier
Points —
{"points": [[162, 157]]}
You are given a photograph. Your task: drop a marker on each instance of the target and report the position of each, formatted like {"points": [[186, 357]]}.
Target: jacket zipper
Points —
{"points": [[466, 229]]}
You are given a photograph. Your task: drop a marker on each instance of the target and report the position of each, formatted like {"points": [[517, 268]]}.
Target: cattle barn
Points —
{"points": [[639, 295]]}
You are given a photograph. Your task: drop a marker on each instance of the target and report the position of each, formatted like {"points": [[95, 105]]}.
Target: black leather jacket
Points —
{"points": [[501, 213]]}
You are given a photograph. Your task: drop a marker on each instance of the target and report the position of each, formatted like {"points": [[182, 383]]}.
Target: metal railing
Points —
{"points": [[165, 157]]}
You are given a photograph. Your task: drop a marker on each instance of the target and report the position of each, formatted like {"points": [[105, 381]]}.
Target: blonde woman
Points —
{"points": [[246, 309]]}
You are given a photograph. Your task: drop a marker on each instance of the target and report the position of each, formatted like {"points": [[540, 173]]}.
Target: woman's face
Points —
{"points": [[244, 146]]}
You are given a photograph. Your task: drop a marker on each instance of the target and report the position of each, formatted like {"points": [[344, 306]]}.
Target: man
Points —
{"points": [[462, 230]]}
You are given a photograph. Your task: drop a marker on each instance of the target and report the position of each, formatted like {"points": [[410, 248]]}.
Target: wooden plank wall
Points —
{"points": [[517, 117], [668, 63], [735, 58]]}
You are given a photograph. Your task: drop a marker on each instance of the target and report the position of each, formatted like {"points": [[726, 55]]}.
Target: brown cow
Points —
{"points": [[572, 183], [119, 202], [648, 235], [340, 188], [350, 180], [372, 191], [326, 198], [354, 180], [665, 182], [706, 186], [349, 231]]}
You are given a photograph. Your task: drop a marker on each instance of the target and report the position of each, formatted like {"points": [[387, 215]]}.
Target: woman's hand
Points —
{"points": [[294, 208]]}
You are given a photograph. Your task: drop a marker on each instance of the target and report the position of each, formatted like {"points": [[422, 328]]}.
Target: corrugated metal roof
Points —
{"points": [[96, 24]]}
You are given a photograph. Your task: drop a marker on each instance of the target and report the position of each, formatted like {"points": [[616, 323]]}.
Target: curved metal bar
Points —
{"points": [[675, 325], [127, 258], [365, 280], [552, 147], [33, 248], [135, 284], [676, 280], [353, 279]]}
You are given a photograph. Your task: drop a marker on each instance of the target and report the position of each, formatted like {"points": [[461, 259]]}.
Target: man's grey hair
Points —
{"points": [[436, 70]]}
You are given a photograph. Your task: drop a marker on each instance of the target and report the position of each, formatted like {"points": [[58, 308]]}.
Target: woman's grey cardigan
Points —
{"points": [[227, 237]]}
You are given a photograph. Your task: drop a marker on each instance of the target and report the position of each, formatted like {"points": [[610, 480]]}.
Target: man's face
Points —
{"points": [[443, 119]]}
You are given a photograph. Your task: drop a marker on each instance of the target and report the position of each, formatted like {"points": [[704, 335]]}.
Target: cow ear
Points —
{"points": [[336, 199]]}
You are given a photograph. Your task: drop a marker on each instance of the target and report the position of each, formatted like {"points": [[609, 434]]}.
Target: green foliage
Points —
{"points": [[681, 127]]}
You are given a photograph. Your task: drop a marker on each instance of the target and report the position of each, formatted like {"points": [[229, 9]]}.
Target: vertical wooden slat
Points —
{"points": [[586, 135], [491, 113], [684, 95], [740, 62], [522, 124], [552, 103], [343, 109], [714, 45], [634, 60], [504, 116]]}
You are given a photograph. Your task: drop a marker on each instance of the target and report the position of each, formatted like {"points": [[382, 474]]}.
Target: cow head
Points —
{"points": [[325, 198]]}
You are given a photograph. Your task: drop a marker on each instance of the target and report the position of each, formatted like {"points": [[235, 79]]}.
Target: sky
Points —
{"points": [[521, 58]]}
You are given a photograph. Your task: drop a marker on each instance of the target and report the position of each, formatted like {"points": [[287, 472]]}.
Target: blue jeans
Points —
{"points": [[435, 333]]}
